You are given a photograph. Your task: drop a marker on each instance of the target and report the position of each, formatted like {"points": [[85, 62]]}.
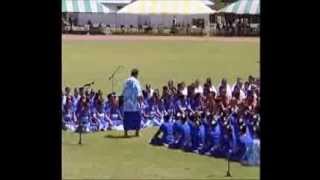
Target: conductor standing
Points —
{"points": [[132, 95]]}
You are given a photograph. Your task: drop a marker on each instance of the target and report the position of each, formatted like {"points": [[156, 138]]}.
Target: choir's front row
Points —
{"points": [[234, 136]]}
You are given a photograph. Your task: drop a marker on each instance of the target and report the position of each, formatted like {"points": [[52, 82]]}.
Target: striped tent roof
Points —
{"points": [[86, 6], [251, 7], [166, 7], [116, 1], [208, 2]]}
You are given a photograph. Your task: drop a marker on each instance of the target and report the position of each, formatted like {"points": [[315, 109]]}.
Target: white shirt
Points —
{"points": [[64, 99], [185, 91], [151, 93], [131, 91], [198, 89], [213, 89]]}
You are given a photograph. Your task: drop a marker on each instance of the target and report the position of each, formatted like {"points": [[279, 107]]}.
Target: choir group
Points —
{"points": [[220, 122]]}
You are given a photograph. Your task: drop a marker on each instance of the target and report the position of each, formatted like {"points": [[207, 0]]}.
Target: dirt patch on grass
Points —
{"points": [[156, 38]]}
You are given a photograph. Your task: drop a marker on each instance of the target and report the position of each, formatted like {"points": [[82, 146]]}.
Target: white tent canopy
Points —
{"points": [[183, 7]]}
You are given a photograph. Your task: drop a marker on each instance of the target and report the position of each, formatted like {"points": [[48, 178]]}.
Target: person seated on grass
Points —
{"points": [[195, 127], [210, 127], [94, 123], [198, 87], [251, 101], [168, 101], [230, 144], [67, 94], [238, 93], [181, 132], [108, 103], [246, 87], [197, 103], [223, 149], [149, 90], [224, 85], [237, 149], [209, 85], [182, 105], [172, 89], [154, 112], [69, 118], [76, 98], [166, 129], [99, 114], [251, 80], [210, 103], [93, 95], [114, 117], [186, 134], [222, 99], [145, 122], [251, 155], [83, 115], [238, 83]]}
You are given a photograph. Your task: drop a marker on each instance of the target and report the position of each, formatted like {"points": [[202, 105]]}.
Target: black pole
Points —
{"points": [[228, 171], [80, 133], [112, 84], [112, 77]]}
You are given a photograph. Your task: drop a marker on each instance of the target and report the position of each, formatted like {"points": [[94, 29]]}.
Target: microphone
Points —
{"points": [[88, 84], [112, 75]]}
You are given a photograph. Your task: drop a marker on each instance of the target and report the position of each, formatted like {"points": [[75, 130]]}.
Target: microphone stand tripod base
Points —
{"points": [[80, 135], [228, 171], [228, 174]]}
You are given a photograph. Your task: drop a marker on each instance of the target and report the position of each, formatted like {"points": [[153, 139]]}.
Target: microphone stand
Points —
{"points": [[228, 171], [80, 134], [112, 76]]}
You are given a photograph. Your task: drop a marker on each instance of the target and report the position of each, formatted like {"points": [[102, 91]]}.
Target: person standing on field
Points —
{"points": [[132, 95]]}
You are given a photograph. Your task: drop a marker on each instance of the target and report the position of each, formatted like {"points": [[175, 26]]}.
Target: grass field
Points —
{"points": [[85, 61], [107, 156], [103, 157]]}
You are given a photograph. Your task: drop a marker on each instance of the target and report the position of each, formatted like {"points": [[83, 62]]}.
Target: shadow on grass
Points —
{"points": [[72, 144], [118, 136]]}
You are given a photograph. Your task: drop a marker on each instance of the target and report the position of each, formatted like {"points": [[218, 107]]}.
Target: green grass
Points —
{"points": [[114, 158], [158, 61], [85, 61]]}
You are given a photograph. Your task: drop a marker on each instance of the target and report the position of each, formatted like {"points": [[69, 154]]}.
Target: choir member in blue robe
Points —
{"points": [[225, 140], [212, 135], [252, 154], [182, 105], [166, 129], [84, 114], [76, 98], [168, 101], [69, 118], [100, 114], [66, 94], [186, 136], [182, 134], [145, 121], [195, 124], [114, 117], [154, 111]]}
